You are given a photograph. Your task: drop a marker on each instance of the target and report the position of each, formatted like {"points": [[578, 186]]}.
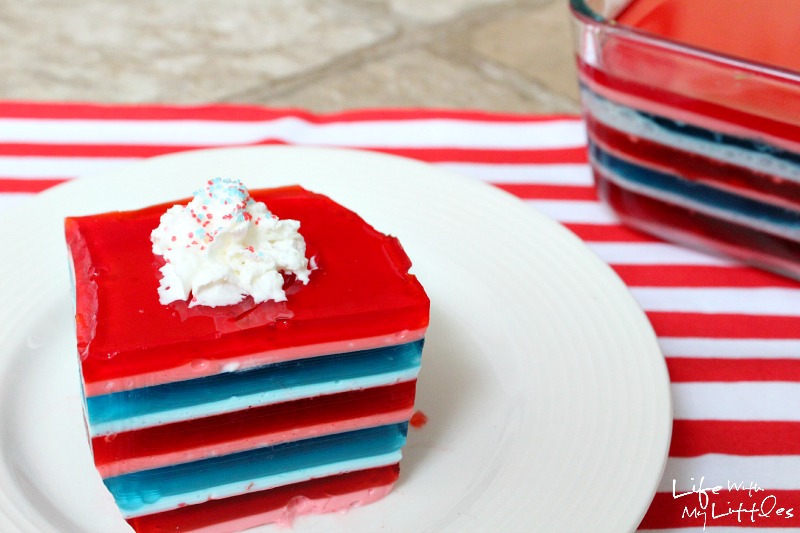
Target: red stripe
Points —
{"points": [[609, 233], [683, 370], [549, 192], [699, 276], [691, 438], [670, 324], [667, 511], [8, 185], [437, 155], [235, 112], [87, 150], [575, 155]]}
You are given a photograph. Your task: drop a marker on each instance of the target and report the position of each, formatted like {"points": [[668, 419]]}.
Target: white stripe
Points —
{"points": [[48, 167], [575, 212], [770, 472], [379, 133], [550, 174], [58, 167], [652, 253], [748, 301], [730, 348], [9, 200], [750, 400]]}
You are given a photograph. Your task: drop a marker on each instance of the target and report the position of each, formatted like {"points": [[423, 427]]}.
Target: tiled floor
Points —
{"points": [[323, 55]]}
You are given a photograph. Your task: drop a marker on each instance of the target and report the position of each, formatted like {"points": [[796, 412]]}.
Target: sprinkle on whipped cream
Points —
{"points": [[223, 246]]}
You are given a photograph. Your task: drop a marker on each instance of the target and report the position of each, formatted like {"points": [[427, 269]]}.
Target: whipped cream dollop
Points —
{"points": [[223, 246]]}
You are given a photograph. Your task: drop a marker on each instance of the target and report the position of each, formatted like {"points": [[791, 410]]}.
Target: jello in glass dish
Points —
{"points": [[693, 119], [244, 357]]}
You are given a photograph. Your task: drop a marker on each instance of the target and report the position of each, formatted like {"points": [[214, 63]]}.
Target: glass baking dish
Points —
{"points": [[696, 146]]}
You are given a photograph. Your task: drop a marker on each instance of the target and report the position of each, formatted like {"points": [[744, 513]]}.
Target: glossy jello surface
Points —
{"points": [[360, 291]]}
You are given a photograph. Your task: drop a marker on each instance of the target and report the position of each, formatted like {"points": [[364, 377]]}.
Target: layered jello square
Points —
{"points": [[225, 417]]}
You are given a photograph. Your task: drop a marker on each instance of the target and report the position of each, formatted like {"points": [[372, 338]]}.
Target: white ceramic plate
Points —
{"points": [[547, 396]]}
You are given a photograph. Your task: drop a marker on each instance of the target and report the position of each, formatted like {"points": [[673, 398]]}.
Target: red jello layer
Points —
{"points": [[695, 167], [252, 428], [763, 31], [281, 505], [688, 89], [677, 223], [127, 339]]}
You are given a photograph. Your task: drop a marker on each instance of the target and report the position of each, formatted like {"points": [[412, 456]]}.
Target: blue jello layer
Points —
{"points": [[710, 200], [748, 153], [231, 391], [161, 489], [703, 134]]}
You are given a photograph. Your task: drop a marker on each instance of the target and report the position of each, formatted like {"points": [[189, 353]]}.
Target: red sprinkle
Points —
{"points": [[418, 419], [174, 238]]}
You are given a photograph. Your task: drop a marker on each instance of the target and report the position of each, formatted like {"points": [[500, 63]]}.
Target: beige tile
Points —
{"points": [[534, 40], [321, 54], [178, 51], [414, 78]]}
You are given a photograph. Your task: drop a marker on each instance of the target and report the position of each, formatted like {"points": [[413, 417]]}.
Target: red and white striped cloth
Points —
{"points": [[730, 334]]}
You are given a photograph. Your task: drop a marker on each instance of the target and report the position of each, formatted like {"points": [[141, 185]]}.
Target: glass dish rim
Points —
{"points": [[582, 12]]}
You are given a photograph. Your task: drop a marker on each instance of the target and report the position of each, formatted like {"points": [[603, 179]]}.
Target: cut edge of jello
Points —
{"points": [[255, 422]]}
